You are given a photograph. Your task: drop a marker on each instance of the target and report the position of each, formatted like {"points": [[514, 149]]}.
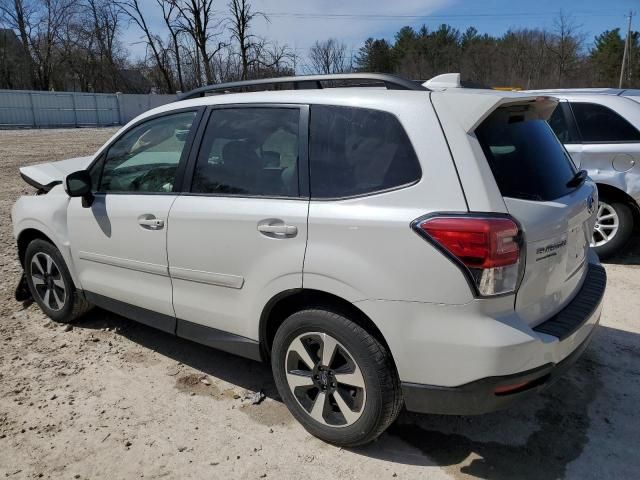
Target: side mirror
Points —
{"points": [[78, 184]]}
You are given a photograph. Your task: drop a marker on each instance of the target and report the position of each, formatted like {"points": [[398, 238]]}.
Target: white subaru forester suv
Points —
{"points": [[381, 247]]}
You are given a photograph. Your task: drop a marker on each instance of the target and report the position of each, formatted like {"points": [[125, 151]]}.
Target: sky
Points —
{"points": [[299, 23]]}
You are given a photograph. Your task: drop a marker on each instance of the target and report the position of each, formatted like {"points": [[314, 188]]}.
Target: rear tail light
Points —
{"points": [[488, 248]]}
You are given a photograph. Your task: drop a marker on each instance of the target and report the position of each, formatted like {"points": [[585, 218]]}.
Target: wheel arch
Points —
{"points": [[609, 191], [284, 304], [32, 232], [26, 236]]}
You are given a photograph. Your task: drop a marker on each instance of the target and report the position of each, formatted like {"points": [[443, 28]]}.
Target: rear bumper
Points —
{"points": [[480, 396], [497, 392]]}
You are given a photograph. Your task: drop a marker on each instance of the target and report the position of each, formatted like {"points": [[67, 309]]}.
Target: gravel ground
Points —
{"points": [[114, 399]]}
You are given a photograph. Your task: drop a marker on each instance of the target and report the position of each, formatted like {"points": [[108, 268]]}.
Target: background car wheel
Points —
{"points": [[337, 380], [50, 283], [614, 226]]}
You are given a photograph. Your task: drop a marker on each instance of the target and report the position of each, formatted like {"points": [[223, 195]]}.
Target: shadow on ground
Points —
{"points": [[535, 439], [630, 255]]}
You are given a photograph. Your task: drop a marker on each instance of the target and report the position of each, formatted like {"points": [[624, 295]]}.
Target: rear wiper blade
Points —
{"points": [[578, 179]]}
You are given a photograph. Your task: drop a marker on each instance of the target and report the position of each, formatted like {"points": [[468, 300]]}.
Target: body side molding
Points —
{"points": [[211, 278], [145, 267]]}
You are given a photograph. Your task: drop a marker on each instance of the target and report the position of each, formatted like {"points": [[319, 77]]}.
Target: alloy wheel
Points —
{"points": [[607, 224], [47, 280], [325, 379]]}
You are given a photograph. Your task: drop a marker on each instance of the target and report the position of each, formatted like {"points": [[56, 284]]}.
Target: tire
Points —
{"points": [[46, 271], [618, 228], [370, 408]]}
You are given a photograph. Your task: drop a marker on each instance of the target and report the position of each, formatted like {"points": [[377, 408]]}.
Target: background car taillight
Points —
{"points": [[488, 248]]}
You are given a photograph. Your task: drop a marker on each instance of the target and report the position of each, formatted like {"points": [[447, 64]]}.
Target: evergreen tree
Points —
{"points": [[375, 56], [606, 59]]}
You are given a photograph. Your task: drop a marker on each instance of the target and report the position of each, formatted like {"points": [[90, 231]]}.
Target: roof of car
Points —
{"points": [[348, 96], [389, 93]]}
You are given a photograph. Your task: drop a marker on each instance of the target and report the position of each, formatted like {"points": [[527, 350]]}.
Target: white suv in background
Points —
{"points": [[380, 247], [601, 130]]}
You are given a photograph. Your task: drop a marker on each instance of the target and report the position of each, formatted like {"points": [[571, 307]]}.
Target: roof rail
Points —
{"points": [[391, 82]]}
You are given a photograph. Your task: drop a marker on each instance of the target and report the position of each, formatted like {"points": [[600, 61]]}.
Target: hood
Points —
{"points": [[45, 176]]}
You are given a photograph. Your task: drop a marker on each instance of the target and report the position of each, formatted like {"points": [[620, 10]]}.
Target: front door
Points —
{"points": [[119, 243], [238, 238]]}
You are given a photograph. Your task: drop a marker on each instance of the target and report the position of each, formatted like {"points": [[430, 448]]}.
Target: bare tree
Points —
{"points": [[39, 23], [132, 9], [19, 15], [328, 57], [564, 44], [196, 18], [240, 23], [103, 27], [169, 14], [54, 16], [278, 58]]}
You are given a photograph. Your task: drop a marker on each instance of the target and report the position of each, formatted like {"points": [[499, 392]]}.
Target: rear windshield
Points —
{"points": [[526, 158]]}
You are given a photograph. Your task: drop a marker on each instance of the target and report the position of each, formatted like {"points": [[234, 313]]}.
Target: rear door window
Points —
{"points": [[358, 151], [249, 151], [598, 123], [526, 158]]}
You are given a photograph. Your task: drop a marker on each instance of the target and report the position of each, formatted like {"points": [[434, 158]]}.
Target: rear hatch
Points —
{"points": [[555, 208]]}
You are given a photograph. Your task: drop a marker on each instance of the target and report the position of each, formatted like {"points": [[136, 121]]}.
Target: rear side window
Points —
{"points": [[526, 158], [358, 151], [598, 123], [249, 151]]}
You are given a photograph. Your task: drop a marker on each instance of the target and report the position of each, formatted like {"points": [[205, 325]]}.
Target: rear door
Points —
{"points": [[534, 175], [238, 236]]}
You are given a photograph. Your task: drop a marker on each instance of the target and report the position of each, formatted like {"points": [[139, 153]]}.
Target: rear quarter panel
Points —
{"points": [[364, 248]]}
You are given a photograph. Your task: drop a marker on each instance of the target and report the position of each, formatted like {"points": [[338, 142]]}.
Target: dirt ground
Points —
{"points": [[114, 399]]}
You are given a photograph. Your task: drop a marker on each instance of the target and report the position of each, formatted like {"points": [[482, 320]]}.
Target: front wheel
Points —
{"points": [[337, 380], [50, 283], [613, 229]]}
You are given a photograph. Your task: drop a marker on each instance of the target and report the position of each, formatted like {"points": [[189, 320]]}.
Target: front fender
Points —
{"points": [[46, 214]]}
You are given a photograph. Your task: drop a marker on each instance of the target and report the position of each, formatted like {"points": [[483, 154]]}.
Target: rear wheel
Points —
{"points": [[336, 379], [50, 283], [614, 226]]}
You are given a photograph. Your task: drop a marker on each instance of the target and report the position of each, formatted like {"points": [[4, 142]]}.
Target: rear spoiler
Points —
{"points": [[471, 107]]}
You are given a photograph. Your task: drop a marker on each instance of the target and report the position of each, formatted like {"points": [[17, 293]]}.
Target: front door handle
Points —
{"points": [[150, 222], [277, 229]]}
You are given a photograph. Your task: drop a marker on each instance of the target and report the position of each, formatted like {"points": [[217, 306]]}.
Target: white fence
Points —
{"points": [[36, 109]]}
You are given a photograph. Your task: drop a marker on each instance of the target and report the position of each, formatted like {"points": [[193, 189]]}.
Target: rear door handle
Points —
{"points": [[150, 222], [277, 229]]}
